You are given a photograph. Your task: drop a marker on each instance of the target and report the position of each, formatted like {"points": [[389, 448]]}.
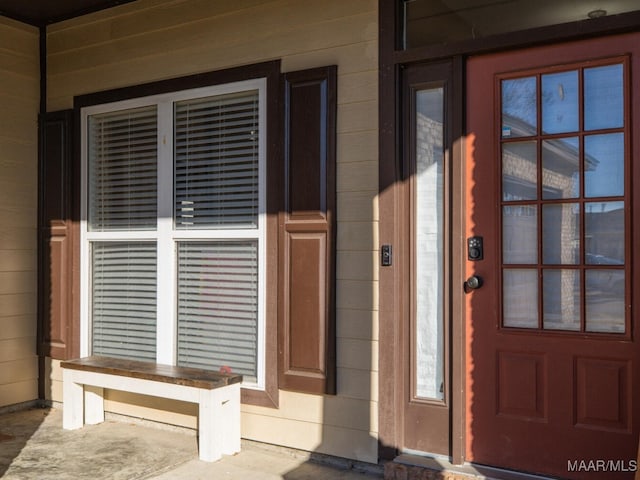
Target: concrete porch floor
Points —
{"points": [[33, 445]]}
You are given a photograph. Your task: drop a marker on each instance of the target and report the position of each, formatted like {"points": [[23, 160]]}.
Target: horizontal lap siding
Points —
{"points": [[19, 103], [155, 39]]}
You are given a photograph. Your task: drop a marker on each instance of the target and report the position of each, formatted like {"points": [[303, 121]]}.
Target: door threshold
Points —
{"points": [[412, 466]]}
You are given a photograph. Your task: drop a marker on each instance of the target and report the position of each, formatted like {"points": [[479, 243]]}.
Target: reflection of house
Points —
{"points": [[216, 182]]}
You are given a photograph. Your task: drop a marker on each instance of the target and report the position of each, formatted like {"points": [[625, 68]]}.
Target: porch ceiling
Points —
{"points": [[44, 12]]}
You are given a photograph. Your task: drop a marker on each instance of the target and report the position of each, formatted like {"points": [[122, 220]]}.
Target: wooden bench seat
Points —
{"points": [[217, 394]]}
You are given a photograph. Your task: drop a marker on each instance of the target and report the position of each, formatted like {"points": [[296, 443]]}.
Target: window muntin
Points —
{"points": [[218, 163], [563, 199]]}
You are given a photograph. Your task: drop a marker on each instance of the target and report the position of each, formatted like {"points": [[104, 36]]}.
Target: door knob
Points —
{"points": [[473, 283]]}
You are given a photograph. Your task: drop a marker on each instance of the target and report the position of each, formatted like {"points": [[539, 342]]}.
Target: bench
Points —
{"points": [[217, 395]]}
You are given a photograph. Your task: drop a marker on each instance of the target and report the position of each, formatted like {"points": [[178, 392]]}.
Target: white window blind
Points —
{"points": [[124, 299], [123, 170], [216, 162], [218, 306]]}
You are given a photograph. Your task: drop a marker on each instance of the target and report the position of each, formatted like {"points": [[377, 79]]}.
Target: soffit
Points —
{"points": [[44, 12]]}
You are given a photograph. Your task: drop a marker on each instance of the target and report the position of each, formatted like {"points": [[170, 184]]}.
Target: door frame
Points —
{"points": [[393, 280]]}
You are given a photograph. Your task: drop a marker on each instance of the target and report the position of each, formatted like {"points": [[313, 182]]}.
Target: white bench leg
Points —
{"points": [[219, 422], [93, 405], [231, 420], [72, 396], [209, 431]]}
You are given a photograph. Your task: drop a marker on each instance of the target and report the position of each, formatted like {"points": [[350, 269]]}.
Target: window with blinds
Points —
{"points": [[123, 170], [216, 162], [173, 234], [218, 306], [123, 307]]}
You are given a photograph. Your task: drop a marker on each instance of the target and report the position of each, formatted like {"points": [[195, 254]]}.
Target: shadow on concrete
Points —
{"points": [[40, 449], [16, 429]]}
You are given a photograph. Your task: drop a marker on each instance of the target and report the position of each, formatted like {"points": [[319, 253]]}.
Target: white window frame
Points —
{"points": [[165, 236]]}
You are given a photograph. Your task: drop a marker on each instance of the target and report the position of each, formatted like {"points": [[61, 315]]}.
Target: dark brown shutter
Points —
{"points": [[306, 327], [55, 227]]}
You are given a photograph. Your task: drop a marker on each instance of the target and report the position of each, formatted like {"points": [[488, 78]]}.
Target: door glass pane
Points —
{"points": [[429, 243], [520, 234], [561, 234], [561, 299], [519, 171], [519, 107], [520, 298], [603, 97], [605, 301], [560, 168], [604, 165], [560, 102], [604, 233]]}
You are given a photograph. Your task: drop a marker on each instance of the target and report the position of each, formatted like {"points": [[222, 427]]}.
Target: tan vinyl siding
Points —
{"points": [[151, 40], [19, 103]]}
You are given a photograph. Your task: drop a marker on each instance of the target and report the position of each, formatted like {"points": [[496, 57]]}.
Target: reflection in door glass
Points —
{"points": [[519, 171], [520, 234], [604, 233], [519, 107], [560, 168], [429, 241], [560, 102], [605, 301], [563, 199], [561, 234], [561, 299], [520, 298], [603, 97], [604, 165]]}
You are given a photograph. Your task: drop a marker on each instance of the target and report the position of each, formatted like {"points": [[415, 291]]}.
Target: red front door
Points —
{"points": [[552, 357]]}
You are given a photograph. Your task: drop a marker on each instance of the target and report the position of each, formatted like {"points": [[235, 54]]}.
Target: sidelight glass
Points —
{"points": [[429, 243]]}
